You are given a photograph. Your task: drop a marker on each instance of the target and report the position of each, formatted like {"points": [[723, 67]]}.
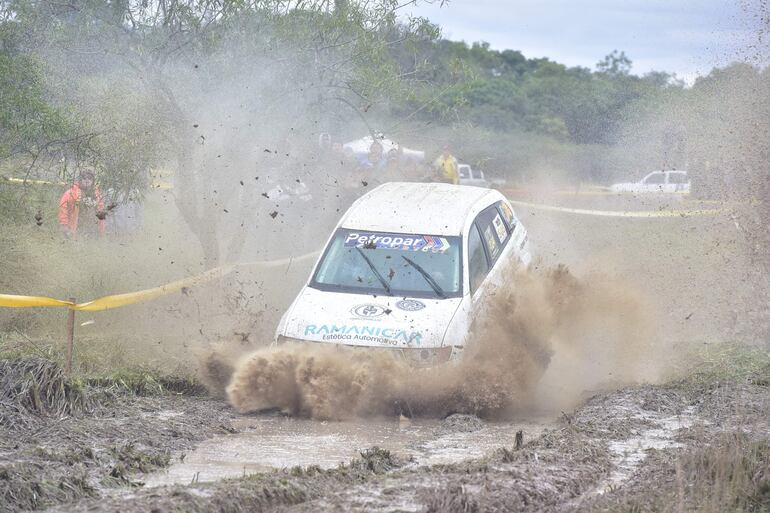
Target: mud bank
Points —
{"points": [[63, 440], [644, 448]]}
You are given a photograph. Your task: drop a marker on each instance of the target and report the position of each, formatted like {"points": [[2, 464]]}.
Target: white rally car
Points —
{"points": [[407, 268]]}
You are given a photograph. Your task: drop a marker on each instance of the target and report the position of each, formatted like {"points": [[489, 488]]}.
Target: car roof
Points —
{"points": [[428, 208]]}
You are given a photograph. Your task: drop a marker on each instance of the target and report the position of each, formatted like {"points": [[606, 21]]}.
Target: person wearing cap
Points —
{"points": [[81, 208], [446, 166]]}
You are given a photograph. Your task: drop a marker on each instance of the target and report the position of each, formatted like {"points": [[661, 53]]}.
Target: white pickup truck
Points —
{"points": [[672, 182], [469, 176]]}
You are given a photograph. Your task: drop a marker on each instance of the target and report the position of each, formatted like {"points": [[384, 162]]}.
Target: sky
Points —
{"points": [[686, 37]]}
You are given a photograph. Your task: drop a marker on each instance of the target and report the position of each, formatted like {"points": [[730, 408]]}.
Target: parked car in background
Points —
{"points": [[673, 182], [470, 176]]}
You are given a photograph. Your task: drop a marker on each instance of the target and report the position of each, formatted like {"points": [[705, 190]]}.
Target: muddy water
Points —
{"points": [[270, 442]]}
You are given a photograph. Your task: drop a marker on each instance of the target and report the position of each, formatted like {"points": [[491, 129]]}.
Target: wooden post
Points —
{"points": [[70, 336]]}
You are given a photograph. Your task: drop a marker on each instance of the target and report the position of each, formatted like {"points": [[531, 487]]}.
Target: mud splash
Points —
{"points": [[538, 314]]}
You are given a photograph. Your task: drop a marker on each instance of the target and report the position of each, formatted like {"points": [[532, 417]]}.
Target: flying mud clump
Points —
{"points": [[537, 316]]}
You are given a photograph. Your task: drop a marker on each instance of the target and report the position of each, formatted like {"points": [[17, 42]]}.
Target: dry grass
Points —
{"points": [[33, 385], [453, 499], [729, 474], [732, 475]]}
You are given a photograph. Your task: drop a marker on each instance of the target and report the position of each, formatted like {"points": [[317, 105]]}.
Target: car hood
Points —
{"points": [[366, 320]]}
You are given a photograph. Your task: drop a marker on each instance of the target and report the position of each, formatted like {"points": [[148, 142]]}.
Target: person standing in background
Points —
{"points": [[446, 165], [81, 208]]}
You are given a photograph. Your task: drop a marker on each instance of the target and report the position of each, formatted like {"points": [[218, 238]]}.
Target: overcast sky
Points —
{"points": [[688, 37]]}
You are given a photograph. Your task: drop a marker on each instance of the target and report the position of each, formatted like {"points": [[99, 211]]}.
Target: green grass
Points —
{"points": [[146, 381], [729, 362]]}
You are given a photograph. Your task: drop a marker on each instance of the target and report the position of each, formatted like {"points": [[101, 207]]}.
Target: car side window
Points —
{"points": [[508, 216], [478, 267], [478, 175], [656, 179], [494, 233], [463, 171]]}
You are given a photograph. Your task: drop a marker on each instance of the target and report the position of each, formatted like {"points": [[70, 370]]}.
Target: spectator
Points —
{"points": [[446, 165], [81, 209], [374, 159]]}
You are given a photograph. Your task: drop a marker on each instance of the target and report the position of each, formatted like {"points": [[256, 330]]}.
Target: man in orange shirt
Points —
{"points": [[81, 208]]}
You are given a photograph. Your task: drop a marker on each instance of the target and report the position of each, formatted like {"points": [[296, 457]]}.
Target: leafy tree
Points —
{"points": [[28, 123], [615, 64], [309, 59]]}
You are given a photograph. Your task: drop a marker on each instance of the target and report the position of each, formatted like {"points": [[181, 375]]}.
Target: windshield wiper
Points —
{"points": [[375, 271], [438, 290]]}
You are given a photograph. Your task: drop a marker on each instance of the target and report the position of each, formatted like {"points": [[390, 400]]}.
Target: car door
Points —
{"points": [[494, 239]]}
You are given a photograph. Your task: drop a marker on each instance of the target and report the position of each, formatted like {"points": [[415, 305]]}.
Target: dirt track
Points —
{"points": [[624, 449]]}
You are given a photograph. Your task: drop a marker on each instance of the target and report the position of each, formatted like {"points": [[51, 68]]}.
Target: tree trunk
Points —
{"points": [[188, 199]]}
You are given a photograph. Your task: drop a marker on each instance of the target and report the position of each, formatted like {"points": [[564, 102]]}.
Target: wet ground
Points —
{"points": [[171, 452], [266, 442], [618, 449]]}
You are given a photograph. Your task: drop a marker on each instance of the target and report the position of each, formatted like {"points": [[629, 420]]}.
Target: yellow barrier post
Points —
{"points": [[70, 336]]}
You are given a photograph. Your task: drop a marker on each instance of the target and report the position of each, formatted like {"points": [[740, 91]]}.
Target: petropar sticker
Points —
{"points": [[398, 241]]}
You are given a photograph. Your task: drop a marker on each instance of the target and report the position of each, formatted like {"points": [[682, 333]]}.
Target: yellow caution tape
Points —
{"points": [[31, 182], [118, 300], [129, 298], [11, 301], [627, 213]]}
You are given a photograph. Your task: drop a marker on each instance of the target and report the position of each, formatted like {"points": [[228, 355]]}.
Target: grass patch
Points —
{"points": [[130, 459], [31, 386], [146, 382], [730, 362], [23, 488], [452, 499], [731, 475], [37, 385]]}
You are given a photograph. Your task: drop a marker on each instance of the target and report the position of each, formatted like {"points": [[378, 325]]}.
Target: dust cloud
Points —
{"points": [[541, 318]]}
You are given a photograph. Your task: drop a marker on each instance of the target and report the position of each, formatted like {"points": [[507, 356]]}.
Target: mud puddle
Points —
{"points": [[265, 443], [629, 454]]}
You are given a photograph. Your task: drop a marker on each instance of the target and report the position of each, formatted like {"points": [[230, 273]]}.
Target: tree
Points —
{"points": [[29, 125], [312, 59], [615, 64]]}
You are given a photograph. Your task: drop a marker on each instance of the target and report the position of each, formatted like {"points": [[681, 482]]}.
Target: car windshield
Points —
{"points": [[396, 264]]}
